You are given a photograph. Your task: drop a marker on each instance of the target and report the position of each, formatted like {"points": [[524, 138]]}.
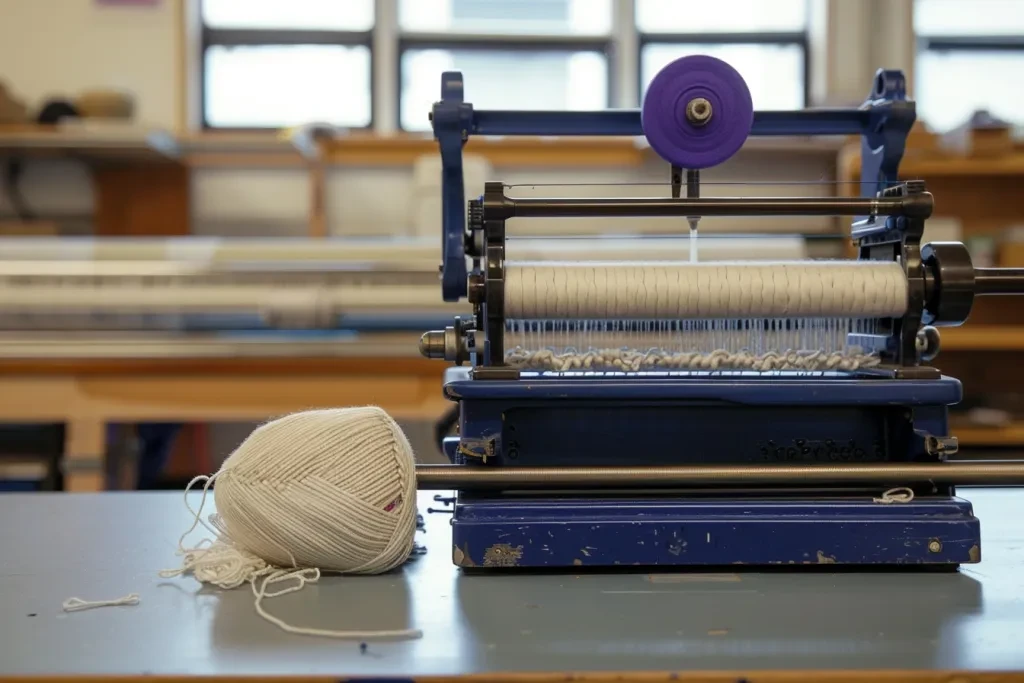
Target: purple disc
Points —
{"points": [[671, 133]]}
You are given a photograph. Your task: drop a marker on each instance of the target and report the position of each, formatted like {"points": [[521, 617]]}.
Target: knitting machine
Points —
{"points": [[705, 413]]}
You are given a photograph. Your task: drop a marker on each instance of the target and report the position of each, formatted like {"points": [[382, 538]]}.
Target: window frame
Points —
{"points": [[977, 43], [801, 39], [249, 37], [965, 44], [622, 47]]}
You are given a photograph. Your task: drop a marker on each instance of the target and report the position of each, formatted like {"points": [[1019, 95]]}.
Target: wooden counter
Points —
{"points": [[87, 394]]}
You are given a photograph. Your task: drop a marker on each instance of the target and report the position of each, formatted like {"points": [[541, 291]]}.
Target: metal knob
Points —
{"points": [[450, 344], [432, 344]]}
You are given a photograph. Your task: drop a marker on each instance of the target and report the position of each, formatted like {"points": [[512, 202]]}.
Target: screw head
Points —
{"points": [[934, 545], [698, 111]]}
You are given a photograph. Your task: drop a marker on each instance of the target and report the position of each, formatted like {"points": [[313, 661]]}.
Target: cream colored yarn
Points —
{"points": [[331, 490], [691, 291]]}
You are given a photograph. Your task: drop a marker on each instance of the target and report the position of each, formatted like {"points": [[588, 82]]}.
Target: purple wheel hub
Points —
{"points": [[687, 141]]}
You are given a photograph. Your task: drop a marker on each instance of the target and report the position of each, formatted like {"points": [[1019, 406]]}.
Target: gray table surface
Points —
{"points": [[102, 546]]}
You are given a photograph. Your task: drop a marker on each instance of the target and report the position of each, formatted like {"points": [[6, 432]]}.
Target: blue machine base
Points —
{"points": [[498, 531], [734, 419]]}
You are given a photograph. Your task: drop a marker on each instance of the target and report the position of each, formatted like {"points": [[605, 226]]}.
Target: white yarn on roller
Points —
{"points": [[324, 490], [798, 289]]}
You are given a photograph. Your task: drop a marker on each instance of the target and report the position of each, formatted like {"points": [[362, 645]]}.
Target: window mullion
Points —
{"points": [[624, 66], [385, 56]]}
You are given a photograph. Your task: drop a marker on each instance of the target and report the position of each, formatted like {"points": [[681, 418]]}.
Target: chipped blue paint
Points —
{"points": [[719, 531]]}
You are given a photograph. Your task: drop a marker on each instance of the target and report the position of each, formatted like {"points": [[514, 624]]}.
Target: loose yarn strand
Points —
{"points": [[197, 515], [901, 494], [304, 576], [79, 605], [191, 554]]}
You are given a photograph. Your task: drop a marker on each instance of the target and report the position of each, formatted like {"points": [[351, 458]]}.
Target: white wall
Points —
{"points": [[53, 48], [59, 47]]}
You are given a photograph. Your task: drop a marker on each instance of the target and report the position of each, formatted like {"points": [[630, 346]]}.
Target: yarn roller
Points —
{"points": [[793, 395]]}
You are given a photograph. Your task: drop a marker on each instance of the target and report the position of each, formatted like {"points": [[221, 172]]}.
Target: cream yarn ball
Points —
{"points": [[332, 489]]}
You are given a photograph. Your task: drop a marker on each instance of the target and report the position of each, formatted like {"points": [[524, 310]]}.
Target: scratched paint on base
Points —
{"points": [[503, 555]]}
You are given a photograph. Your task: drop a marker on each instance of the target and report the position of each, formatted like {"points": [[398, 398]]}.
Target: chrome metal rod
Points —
{"points": [[480, 477], [998, 281], [918, 206]]}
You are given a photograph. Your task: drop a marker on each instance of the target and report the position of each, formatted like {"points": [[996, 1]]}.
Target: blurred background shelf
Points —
{"points": [[983, 338], [100, 145], [972, 435]]}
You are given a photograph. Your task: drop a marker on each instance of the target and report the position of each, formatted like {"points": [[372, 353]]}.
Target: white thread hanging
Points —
{"points": [[79, 605], [799, 289], [323, 490], [897, 495]]}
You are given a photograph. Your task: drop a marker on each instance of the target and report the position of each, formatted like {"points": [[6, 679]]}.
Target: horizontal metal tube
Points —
{"points": [[627, 122], [999, 281], [914, 205], [475, 477]]}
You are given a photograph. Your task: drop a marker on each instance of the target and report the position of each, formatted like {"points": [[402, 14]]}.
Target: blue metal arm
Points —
{"points": [[883, 122], [626, 122]]}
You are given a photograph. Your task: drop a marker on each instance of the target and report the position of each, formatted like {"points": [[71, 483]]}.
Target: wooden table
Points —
{"points": [[87, 394]]}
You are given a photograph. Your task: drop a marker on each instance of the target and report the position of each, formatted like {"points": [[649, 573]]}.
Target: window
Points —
{"points": [[765, 41], [276, 63], [270, 64], [515, 54], [970, 57]]}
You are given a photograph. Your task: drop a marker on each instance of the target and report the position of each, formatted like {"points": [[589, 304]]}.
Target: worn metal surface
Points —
{"points": [[502, 531], [105, 546]]}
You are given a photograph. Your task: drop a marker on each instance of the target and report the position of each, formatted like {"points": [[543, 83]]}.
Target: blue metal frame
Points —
{"points": [[795, 390], [641, 421], [664, 421], [495, 532], [883, 122]]}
